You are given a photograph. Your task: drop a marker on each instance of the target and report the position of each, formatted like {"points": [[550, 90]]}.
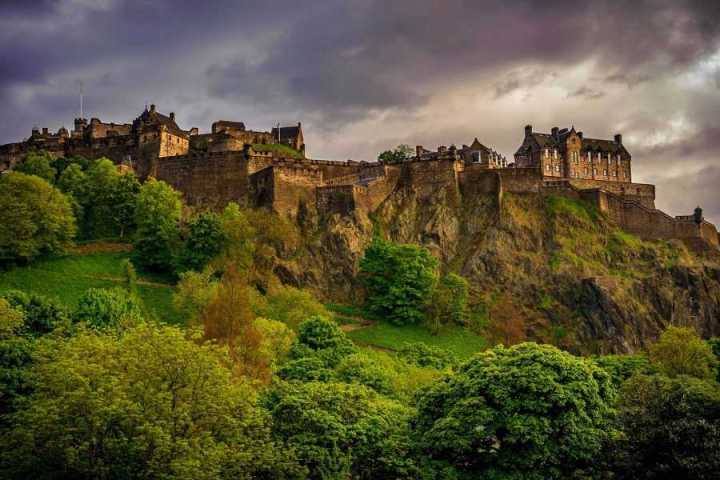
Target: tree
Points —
{"points": [[399, 280], [35, 218], [449, 302], [400, 153], [203, 241], [74, 183], [671, 428], [108, 308], [157, 216], [680, 351], [525, 412], [343, 431], [424, 355], [289, 305], [321, 337], [150, 403], [41, 314], [38, 164], [15, 351], [121, 197]]}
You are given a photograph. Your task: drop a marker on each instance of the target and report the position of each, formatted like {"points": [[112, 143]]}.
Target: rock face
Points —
{"points": [[563, 269]]}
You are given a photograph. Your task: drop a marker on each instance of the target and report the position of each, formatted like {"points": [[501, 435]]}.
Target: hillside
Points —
{"points": [[571, 275]]}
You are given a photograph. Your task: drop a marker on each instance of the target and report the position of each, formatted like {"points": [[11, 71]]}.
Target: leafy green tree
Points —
{"points": [[35, 218], [306, 369], [525, 412], [74, 183], [670, 428], [121, 197], [150, 403], [449, 302], [681, 351], [38, 164], [715, 347], [60, 164], [157, 216], [343, 431], [361, 369], [622, 367], [399, 280], [41, 314], [321, 337], [289, 305], [108, 308], [398, 154], [203, 242], [15, 351]]}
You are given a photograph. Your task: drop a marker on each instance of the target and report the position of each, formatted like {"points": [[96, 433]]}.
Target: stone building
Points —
{"points": [[564, 153], [475, 153]]}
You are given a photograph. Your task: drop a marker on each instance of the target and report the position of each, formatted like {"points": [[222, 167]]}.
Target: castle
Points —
{"points": [[270, 169]]}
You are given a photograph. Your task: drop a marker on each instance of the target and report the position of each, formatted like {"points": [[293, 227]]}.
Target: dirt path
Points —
{"points": [[144, 283], [100, 247], [361, 323]]}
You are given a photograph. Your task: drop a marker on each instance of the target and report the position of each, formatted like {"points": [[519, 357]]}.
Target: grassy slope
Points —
{"points": [[66, 278]]}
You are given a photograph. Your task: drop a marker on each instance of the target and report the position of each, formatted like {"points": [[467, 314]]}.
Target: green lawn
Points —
{"points": [[66, 278], [460, 341]]}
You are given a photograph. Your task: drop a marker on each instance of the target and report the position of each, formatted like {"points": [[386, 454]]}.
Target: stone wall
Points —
{"points": [[294, 184], [210, 180], [335, 199], [643, 193]]}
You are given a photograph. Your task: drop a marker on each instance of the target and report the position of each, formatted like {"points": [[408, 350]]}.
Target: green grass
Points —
{"points": [[279, 148], [460, 341], [66, 278]]}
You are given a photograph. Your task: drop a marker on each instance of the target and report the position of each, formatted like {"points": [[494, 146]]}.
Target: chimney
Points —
{"points": [[152, 107], [528, 130], [554, 132], [618, 139], [45, 131], [442, 149], [418, 151], [172, 116], [580, 134]]}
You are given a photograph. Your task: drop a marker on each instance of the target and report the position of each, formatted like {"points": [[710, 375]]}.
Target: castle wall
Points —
{"points": [[641, 192], [520, 180], [335, 199], [210, 180], [293, 185]]}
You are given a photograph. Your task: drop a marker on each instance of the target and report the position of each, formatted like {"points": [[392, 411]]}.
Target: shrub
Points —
{"points": [[361, 369], [203, 242], [38, 164], [424, 355], [449, 302], [108, 308]]}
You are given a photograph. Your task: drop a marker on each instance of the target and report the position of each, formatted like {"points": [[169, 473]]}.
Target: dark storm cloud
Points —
{"points": [[339, 64]]}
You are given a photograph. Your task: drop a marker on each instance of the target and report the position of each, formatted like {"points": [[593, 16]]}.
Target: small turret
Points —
{"points": [[618, 139], [528, 130]]}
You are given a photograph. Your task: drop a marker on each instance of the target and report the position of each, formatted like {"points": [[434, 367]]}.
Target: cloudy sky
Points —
{"points": [[366, 75]]}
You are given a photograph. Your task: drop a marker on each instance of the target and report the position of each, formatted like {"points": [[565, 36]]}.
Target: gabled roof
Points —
{"points": [[230, 124], [151, 117]]}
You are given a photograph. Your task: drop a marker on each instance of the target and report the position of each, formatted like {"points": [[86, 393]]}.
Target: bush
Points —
{"points": [[322, 337], [306, 369], [289, 305], [108, 308], [35, 218], [622, 367], [525, 412], [361, 369], [399, 280], [427, 356]]}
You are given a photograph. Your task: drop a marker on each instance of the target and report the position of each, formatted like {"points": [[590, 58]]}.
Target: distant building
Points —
{"points": [[569, 154]]}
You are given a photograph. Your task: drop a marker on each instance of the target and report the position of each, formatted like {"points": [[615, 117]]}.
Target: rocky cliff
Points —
{"points": [[554, 265]]}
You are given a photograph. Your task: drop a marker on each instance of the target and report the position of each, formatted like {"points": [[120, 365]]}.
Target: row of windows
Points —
{"points": [[574, 156], [614, 173]]}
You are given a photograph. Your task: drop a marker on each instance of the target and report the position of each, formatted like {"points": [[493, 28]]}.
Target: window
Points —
{"points": [[615, 173], [557, 168], [589, 157], [586, 171], [547, 152], [608, 156], [599, 156], [618, 157], [605, 172], [547, 167], [554, 152], [594, 171]]}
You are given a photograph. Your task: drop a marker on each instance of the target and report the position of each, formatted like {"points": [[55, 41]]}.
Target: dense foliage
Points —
{"points": [[35, 218], [108, 308], [399, 280], [157, 215], [525, 412]]}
